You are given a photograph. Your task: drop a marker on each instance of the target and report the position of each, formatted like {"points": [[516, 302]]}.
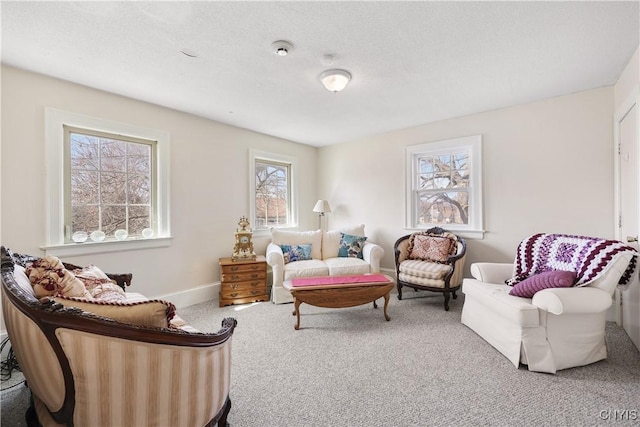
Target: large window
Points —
{"points": [[105, 176], [444, 185], [272, 190], [109, 184]]}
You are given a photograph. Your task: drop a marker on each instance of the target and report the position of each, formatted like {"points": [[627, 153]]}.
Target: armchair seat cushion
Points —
{"points": [[343, 266], [416, 270], [496, 297]]}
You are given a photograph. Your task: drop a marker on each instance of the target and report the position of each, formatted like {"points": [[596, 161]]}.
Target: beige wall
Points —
{"points": [[209, 180], [547, 167]]}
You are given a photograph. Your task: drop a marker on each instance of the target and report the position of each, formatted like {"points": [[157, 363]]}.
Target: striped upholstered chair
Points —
{"points": [[432, 260], [87, 370]]}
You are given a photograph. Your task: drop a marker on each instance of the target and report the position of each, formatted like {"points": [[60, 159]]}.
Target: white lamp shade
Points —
{"points": [[335, 80], [322, 206]]}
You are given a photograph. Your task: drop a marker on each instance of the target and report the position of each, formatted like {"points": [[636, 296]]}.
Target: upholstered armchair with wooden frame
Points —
{"points": [[87, 370], [432, 260]]}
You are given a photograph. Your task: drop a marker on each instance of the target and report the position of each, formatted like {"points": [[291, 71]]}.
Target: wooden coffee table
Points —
{"points": [[338, 295]]}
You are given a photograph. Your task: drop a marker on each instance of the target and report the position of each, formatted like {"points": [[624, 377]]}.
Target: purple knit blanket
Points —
{"points": [[588, 257]]}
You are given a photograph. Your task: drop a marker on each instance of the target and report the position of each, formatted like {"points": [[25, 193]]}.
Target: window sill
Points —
{"points": [[89, 248], [263, 232], [467, 234]]}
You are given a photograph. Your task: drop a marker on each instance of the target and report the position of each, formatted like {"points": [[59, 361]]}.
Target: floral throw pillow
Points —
{"points": [[351, 246], [431, 248], [49, 278], [296, 253], [98, 283]]}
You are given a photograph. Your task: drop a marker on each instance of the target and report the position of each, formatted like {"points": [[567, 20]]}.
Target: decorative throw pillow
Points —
{"points": [[331, 239], [98, 284], [49, 277], [296, 253], [313, 238], [351, 246], [549, 279], [431, 248], [156, 313]]}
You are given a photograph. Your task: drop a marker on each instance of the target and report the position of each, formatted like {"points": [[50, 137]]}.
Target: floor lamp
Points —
{"points": [[322, 207]]}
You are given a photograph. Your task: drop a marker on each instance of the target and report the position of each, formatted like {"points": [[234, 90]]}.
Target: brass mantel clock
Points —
{"points": [[243, 249]]}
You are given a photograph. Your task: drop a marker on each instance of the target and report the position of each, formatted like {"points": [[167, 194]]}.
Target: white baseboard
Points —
{"points": [[193, 296]]}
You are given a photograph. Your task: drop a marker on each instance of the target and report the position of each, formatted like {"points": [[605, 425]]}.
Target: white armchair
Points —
{"points": [[558, 328]]}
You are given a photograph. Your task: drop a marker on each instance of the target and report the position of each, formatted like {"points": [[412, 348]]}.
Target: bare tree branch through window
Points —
{"points": [[110, 181]]}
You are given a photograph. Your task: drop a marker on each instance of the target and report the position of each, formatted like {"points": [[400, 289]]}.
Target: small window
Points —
{"points": [[109, 183], [443, 185], [273, 198]]}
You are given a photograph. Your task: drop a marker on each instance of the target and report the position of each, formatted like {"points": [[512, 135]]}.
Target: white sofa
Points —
{"points": [[558, 328], [324, 253]]}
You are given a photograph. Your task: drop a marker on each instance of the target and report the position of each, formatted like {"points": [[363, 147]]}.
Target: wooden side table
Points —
{"points": [[243, 281]]}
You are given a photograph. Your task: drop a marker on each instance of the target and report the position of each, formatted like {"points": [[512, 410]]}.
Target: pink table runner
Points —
{"points": [[338, 280]]}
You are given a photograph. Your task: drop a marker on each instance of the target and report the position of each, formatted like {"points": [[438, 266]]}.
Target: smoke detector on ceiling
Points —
{"points": [[282, 47]]}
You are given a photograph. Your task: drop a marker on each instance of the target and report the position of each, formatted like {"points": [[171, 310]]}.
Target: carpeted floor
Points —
{"points": [[350, 367]]}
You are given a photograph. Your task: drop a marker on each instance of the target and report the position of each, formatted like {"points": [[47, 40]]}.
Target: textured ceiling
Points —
{"points": [[412, 62]]}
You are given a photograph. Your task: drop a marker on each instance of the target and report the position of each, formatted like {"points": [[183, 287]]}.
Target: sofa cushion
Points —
{"points": [[313, 238], [49, 277], [155, 313], [496, 297], [98, 283], [331, 239], [431, 248], [549, 279], [293, 253], [345, 266], [351, 246], [313, 267]]}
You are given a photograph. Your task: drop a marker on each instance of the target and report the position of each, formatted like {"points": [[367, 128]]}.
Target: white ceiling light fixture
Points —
{"points": [[282, 47], [335, 80]]}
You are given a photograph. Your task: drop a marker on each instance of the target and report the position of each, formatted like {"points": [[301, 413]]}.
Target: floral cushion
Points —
{"points": [[293, 253], [49, 278], [98, 284], [351, 246], [431, 248]]}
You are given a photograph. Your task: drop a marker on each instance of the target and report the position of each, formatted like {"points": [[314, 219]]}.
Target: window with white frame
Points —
{"points": [[272, 190], [444, 185], [105, 177], [109, 184]]}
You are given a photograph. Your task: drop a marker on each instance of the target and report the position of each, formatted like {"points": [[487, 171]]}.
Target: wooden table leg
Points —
{"points": [[386, 303], [296, 311]]}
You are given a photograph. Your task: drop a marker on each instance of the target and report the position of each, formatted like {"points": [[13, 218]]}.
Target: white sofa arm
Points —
{"points": [[372, 254], [492, 272], [585, 300], [275, 259]]}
